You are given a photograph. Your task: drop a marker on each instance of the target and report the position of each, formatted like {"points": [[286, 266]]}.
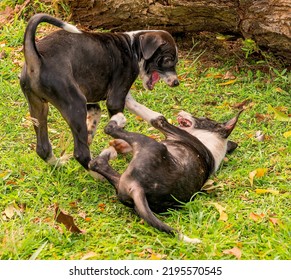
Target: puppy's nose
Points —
{"points": [[175, 83]]}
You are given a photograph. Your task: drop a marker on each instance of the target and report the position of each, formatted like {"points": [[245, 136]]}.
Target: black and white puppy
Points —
{"points": [[162, 173], [71, 68]]}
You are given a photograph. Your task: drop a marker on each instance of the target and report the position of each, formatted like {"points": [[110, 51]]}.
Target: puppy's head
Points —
{"points": [[159, 57], [195, 126]]}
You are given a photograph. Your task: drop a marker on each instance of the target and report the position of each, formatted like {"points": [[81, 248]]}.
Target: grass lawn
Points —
{"points": [[245, 215]]}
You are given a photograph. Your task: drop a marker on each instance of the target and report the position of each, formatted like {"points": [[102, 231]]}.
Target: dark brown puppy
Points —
{"points": [[162, 173], [70, 69]]}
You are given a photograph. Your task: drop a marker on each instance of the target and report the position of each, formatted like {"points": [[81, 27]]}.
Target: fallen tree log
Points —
{"points": [[267, 22]]}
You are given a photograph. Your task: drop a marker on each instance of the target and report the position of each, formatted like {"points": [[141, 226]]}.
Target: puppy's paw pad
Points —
{"points": [[120, 119], [121, 146]]}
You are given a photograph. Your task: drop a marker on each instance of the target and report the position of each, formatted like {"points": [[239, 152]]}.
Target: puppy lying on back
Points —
{"points": [[160, 173]]}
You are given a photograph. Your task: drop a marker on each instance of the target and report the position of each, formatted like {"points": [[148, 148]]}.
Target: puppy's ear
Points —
{"points": [[149, 43], [229, 126]]}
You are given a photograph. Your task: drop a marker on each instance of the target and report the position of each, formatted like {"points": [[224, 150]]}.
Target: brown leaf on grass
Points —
{"points": [[101, 207], [89, 255], [9, 211], [274, 221], [256, 217], [209, 186], [235, 251], [66, 220], [241, 105], [228, 76], [243, 197], [73, 204], [222, 215], [151, 255], [262, 117]]}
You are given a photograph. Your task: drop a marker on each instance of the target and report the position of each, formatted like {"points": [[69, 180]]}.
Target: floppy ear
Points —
{"points": [[149, 43]]}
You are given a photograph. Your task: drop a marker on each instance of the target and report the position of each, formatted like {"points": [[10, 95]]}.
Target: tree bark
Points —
{"points": [[268, 22]]}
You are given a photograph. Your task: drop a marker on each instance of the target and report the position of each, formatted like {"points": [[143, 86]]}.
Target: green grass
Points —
{"points": [[31, 188]]}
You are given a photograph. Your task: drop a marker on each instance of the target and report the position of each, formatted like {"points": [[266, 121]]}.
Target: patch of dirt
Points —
{"points": [[215, 50]]}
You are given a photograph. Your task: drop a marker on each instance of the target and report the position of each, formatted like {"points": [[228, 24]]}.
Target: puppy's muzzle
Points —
{"points": [[175, 83], [171, 79]]}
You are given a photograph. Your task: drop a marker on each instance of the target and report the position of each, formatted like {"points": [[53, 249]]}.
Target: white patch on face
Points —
{"points": [[131, 34]]}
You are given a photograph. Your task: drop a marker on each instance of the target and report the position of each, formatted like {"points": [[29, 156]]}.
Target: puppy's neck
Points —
{"points": [[214, 143]]}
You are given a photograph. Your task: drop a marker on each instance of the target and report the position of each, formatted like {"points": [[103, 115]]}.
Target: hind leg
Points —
{"points": [[39, 111]]}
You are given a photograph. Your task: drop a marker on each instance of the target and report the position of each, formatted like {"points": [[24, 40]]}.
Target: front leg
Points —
{"points": [[155, 119], [140, 110]]}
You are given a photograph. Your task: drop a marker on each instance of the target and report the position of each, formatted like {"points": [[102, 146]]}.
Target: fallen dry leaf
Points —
{"points": [[241, 105], [9, 211], [101, 207], [227, 83], [274, 221], [215, 76], [222, 215], [261, 172], [229, 76], [263, 191], [209, 186], [89, 255], [287, 134], [66, 220], [262, 117], [235, 251], [256, 217], [155, 256], [252, 176], [279, 115]]}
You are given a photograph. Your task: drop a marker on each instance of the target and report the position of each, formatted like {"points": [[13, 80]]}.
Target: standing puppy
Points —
{"points": [[70, 69], [162, 173]]}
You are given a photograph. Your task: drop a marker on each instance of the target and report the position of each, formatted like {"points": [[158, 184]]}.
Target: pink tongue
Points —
{"points": [[155, 77]]}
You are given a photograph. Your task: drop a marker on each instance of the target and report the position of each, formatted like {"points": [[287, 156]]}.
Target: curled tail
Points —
{"points": [[31, 53]]}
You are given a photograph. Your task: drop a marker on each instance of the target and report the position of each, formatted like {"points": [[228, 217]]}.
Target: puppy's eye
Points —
{"points": [[168, 62]]}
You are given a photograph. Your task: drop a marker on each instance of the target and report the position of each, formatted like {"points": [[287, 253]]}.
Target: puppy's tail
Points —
{"points": [[142, 208], [31, 53]]}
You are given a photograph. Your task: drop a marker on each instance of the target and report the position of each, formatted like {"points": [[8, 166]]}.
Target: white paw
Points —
{"points": [[189, 240], [120, 119], [109, 151]]}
